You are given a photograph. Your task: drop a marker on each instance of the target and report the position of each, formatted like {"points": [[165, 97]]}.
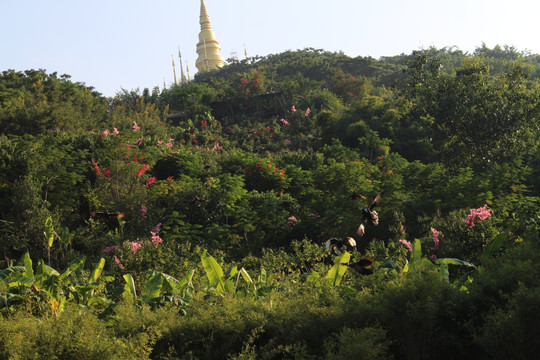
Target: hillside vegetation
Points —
{"points": [[190, 222]]}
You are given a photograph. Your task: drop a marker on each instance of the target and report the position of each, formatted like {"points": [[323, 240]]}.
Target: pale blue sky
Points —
{"points": [[115, 44]]}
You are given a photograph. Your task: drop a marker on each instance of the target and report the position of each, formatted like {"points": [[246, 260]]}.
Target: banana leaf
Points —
{"points": [[214, 272], [152, 288], [25, 259], [129, 288], [452, 261], [11, 272], [495, 245], [416, 256], [170, 284], [335, 274], [49, 232], [96, 273]]}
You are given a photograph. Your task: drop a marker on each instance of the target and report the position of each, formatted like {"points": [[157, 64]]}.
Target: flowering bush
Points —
{"points": [[481, 214]]}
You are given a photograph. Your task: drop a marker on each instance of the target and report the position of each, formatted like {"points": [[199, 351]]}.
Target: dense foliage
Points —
{"points": [[189, 222]]}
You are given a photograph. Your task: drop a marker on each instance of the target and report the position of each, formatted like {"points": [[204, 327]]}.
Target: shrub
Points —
{"points": [[74, 334]]}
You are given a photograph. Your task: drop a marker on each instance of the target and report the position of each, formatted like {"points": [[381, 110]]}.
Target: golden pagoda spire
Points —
{"points": [[208, 47], [174, 71], [182, 76], [187, 69]]}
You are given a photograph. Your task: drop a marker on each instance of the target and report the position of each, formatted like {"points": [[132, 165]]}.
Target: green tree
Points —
{"points": [[474, 118]]}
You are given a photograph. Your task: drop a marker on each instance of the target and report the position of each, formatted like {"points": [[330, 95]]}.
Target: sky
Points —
{"points": [[116, 45]]}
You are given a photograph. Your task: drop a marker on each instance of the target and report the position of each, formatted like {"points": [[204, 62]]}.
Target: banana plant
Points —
{"points": [[222, 283], [49, 237], [160, 288], [336, 272], [48, 286], [417, 262]]}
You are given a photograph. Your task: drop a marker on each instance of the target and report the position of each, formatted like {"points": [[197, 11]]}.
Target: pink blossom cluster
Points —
{"points": [[407, 244], [156, 239], [135, 246], [292, 221], [110, 248], [106, 132], [217, 147], [142, 212], [435, 247], [435, 233], [481, 213], [119, 263]]}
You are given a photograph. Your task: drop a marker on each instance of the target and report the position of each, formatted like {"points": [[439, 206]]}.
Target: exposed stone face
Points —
{"points": [[208, 47]]}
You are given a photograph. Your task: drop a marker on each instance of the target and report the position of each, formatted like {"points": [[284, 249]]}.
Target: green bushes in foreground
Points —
{"points": [[409, 312]]}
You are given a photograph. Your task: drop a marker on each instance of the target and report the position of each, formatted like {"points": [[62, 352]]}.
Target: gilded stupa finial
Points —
{"points": [[174, 71], [208, 47], [183, 79]]}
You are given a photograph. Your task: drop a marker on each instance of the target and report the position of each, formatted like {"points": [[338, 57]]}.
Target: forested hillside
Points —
{"points": [[191, 221]]}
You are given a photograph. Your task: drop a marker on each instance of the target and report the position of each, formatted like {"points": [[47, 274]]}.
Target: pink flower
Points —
{"points": [[150, 181], [402, 229], [143, 211], [433, 257], [293, 109], [96, 166], [115, 131], [107, 172], [288, 142], [156, 239], [285, 122], [407, 244], [119, 263], [136, 127], [135, 246], [159, 143], [314, 216], [482, 213], [106, 133], [110, 248], [292, 221], [435, 238], [217, 146], [169, 145], [308, 111]]}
